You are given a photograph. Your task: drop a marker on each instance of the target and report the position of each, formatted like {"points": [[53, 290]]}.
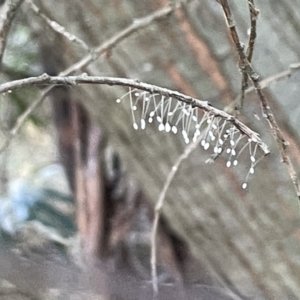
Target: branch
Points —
{"points": [[265, 83], [84, 79], [253, 17], [252, 36], [57, 27], [246, 67], [84, 62], [188, 150], [294, 68], [116, 39], [7, 13]]}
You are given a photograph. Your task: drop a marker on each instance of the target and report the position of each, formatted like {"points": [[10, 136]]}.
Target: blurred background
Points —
{"points": [[78, 184]]}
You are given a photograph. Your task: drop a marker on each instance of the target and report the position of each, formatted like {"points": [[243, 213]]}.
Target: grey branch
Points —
{"points": [[85, 61], [136, 25], [160, 202], [112, 81], [57, 27], [246, 67], [7, 14]]}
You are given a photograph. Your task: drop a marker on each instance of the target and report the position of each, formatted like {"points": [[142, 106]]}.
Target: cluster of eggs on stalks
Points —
{"points": [[174, 116]]}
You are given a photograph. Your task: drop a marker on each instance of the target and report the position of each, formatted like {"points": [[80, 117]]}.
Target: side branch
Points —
{"points": [[112, 42], [253, 17], [7, 12], [89, 58], [112, 81], [249, 52], [246, 67], [294, 68], [158, 208], [57, 27]]}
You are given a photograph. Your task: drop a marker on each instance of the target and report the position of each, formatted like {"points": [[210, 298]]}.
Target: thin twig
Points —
{"points": [[249, 52], [7, 13], [160, 202], [112, 81], [116, 39], [265, 83], [57, 27], [245, 66], [294, 68], [89, 58], [22, 118], [253, 17]]}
